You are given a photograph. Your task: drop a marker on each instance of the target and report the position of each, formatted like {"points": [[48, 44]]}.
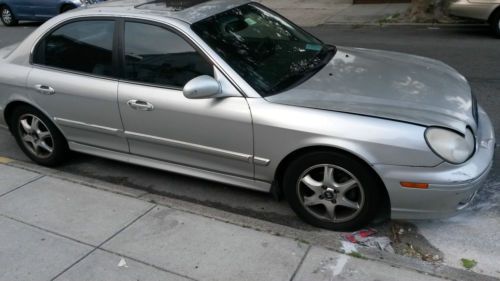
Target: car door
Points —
{"points": [[160, 123], [45, 9], [22, 9], [73, 81]]}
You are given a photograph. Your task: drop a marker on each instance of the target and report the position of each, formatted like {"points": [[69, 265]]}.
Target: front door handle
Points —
{"points": [[140, 105], [46, 90]]}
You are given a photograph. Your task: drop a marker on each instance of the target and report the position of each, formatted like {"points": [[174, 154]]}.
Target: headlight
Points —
{"points": [[451, 146]]}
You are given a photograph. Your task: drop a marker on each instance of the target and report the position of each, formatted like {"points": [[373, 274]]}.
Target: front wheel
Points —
{"points": [[332, 190], [39, 139], [8, 17]]}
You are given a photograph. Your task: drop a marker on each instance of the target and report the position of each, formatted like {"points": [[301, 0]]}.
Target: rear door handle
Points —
{"points": [[140, 105], [46, 90]]}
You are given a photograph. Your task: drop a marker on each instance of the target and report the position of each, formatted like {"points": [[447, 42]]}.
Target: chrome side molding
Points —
{"points": [[172, 167], [85, 126], [261, 161], [191, 146]]}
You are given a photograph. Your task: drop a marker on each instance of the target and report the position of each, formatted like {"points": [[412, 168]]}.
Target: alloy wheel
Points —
{"points": [[36, 136], [330, 193], [6, 16]]}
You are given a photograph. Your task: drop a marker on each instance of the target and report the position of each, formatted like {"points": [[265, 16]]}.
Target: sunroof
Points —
{"points": [[169, 5]]}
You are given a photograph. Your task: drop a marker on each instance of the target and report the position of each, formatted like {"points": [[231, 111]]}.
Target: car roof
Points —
{"points": [[190, 13]]}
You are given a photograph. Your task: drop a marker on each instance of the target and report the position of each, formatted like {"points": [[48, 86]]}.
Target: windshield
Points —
{"points": [[266, 50]]}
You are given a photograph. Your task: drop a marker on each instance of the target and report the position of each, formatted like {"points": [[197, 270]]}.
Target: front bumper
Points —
{"points": [[466, 9], [451, 187]]}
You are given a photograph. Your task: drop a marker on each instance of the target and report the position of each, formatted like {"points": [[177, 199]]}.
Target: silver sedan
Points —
{"points": [[485, 10], [232, 92]]}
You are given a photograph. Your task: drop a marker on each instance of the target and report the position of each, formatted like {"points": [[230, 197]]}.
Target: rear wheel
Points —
{"points": [[66, 8], [495, 23], [332, 190], [39, 139], [8, 17]]}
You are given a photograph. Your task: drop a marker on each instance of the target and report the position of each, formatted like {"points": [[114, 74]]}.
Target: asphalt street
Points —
{"points": [[470, 50]]}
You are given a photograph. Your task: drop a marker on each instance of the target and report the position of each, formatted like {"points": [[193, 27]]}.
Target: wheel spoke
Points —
{"points": [[26, 127], [35, 124], [43, 135], [314, 185], [28, 139], [343, 188], [312, 200], [6, 15], [328, 179], [331, 199], [330, 210], [348, 203], [36, 147], [45, 147]]}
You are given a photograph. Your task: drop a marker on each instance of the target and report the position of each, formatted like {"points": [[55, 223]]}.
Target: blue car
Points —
{"points": [[13, 11]]}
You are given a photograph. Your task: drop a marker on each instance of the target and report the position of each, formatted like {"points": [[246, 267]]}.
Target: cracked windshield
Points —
{"points": [[271, 53]]}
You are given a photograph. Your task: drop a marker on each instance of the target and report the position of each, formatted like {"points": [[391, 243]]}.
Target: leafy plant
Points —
{"points": [[468, 264]]}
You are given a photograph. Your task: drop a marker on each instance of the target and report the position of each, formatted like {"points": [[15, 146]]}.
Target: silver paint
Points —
{"points": [[375, 105], [203, 87], [474, 9], [80, 125], [36, 136], [410, 88], [191, 146], [330, 193], [173, 167]]}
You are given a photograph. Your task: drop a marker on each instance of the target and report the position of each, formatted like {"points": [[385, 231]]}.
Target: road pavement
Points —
{"points": [[471, 50]]}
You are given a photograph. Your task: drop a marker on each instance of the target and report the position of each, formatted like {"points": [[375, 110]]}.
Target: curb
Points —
{"points": [[403, 24], [325, 239]]}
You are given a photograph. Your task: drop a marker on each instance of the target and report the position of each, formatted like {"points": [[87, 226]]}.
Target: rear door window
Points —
{"points": [[83, 46]]}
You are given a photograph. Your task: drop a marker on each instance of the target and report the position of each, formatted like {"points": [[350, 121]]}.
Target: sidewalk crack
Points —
{"points": [[300, 263], [104, 242], [31, 181]]}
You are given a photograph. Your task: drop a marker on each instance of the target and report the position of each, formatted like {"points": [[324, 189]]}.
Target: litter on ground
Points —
{"points": [[367, 238]]}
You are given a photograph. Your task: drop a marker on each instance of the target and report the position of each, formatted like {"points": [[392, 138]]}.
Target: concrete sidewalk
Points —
{"points": [[313, 13], [53, 229]]}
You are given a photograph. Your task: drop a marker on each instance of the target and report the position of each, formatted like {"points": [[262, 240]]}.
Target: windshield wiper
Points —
{"points": [[326, 54], [296, 78]]}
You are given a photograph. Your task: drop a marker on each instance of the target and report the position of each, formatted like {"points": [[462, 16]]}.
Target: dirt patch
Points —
{"points": [[407, 241]]}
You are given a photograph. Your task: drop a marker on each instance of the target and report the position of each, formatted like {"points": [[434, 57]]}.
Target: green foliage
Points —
{"points": [[468, 264], [356, 255]]}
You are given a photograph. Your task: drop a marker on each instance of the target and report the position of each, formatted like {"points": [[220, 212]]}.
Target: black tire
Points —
{"points": [[495, 23], [8, 21], [57, 141], [66, 8], [366, 192]]}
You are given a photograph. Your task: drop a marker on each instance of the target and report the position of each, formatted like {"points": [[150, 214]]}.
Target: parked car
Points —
{"points": [[232, 92], [13, 11], [485, 10]]}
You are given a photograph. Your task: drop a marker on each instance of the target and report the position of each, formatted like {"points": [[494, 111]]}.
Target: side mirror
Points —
{"points": [[202, 87]]}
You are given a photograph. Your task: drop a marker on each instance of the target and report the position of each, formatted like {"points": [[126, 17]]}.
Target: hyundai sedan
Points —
{"points": [[232, 92]]}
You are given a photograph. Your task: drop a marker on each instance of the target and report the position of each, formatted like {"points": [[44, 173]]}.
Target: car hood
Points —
{"points": [[387, 85]]}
